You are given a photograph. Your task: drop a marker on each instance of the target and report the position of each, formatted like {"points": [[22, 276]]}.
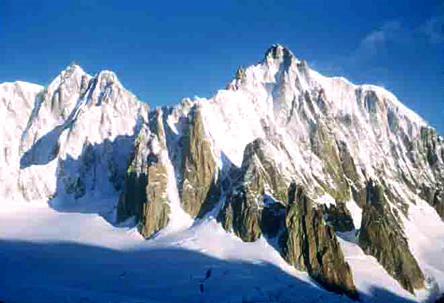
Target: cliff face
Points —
{"points": [[309, 244], [197, 187], [338, 216], [133, 195], [233, 157], [428, 152], [260, 204], [145, 193], [381, 236], [256, 195]]}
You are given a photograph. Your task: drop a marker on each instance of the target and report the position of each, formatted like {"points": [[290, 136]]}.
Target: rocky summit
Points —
{"points": [[330, 177]]}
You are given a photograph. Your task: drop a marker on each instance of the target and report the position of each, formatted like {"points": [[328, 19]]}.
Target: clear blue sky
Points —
{"points": [[166, 50]]}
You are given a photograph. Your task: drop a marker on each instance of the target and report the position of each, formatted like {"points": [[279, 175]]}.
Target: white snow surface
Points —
{"points": [[50, 256]]}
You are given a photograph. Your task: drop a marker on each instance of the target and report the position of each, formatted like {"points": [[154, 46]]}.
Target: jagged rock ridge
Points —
{"points": [[309, 244], [381, 235], [197, 187]]}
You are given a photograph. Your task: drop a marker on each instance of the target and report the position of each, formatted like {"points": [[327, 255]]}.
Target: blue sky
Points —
{"points": [[166, 50]]}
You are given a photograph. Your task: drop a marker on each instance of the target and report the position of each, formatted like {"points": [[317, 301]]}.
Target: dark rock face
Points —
{"points": [[337, 162], [155, 210], [145, 190], [428, 149], [197, 187], [438, 202], [309, 244], [273, 219], [134, 195], [339, 217], [257, 160], [261, 204], [241, 216], [350, 173], [382, 237], [429, 144], [248, 210], [75, 186], [435, 197], [440, 300]]}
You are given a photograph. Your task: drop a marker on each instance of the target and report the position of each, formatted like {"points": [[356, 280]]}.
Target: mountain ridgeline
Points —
{"points": [[282, 153]]}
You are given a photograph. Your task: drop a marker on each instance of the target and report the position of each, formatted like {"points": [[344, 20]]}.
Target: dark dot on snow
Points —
{"points": [[208, 274]]}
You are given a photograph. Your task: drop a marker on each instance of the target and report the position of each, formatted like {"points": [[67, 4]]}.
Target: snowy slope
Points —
{"points": [[86, 259], [16, 103], [78, 137], [269, 101], [70, 145]]}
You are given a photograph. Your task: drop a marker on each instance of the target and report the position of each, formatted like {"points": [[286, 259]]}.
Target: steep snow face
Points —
{"points": [[281, 99], [16, 103], [77, 137]]}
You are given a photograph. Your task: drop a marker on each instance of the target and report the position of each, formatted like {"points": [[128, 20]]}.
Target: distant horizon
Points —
{"points": [[163, 53]]}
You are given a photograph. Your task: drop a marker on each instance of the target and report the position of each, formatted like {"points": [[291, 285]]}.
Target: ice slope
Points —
{"points": [[426, 239], [16, 103]]}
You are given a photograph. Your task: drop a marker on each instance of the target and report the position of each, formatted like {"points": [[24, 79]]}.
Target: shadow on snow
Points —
{"points": [[90, 183], [73, 272]]}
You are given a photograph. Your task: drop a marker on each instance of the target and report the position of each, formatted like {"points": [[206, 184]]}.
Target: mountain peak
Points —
{"points": [[278, 52], [73, 73], [107, 76], [72, 70]]}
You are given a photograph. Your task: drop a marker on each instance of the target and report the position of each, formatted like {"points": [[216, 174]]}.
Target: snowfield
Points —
{"points": [[51, 256]]}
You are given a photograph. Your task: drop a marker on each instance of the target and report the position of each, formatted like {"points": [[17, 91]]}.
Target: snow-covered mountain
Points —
{"points": [[337, 185]]}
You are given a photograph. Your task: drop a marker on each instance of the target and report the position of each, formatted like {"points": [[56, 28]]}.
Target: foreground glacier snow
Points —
{"points": [[284, 166], [49, 256]]}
